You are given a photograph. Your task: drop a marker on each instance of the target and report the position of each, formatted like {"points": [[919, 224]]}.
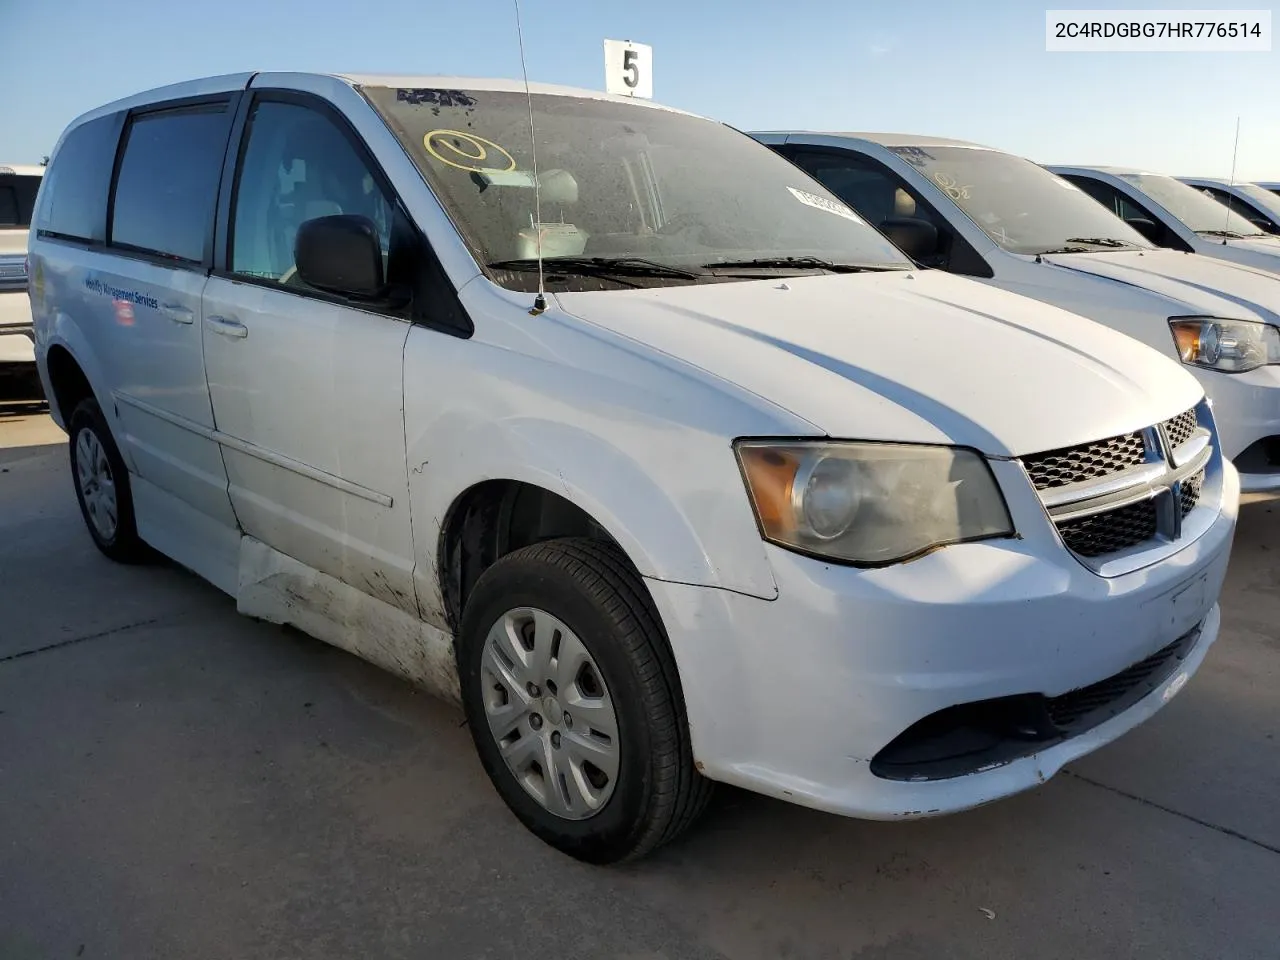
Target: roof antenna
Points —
{"points": [[540, 301], [1226, 227]]}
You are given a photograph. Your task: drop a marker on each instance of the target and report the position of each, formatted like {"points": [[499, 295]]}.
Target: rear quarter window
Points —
{"points": [[73, 201]]}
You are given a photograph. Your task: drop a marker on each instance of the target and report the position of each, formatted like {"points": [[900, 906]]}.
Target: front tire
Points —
{"points": [[574, 703], [102, 486]]}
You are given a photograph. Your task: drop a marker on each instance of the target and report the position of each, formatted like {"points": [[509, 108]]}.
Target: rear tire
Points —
{"points": [[102, 486], [563, 627]]}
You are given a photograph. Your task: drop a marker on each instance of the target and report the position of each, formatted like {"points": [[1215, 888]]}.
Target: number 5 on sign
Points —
{"points": [[628, 68]]}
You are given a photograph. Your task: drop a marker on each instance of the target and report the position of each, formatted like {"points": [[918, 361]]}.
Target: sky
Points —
{"points": [[966, 69]]}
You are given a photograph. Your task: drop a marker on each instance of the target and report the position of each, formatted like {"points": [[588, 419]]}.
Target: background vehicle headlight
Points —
{"points": [[870, 503], [1233, 346]]}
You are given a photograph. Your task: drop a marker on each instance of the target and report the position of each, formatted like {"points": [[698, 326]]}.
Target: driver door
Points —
{"points": [[307, 387]]}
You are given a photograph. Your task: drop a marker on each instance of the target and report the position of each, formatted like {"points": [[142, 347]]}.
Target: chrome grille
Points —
{"points": [[1091, 461], [1110, 532], [1180, 428], [1126, 491], [1189, 494]]}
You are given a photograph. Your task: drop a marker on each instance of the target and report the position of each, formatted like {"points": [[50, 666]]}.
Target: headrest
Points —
{"points": [[558, 186], [904, 205]]}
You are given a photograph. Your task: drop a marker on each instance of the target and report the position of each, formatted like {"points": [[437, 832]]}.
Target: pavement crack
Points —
{"points": [[74, 640], [1270, 848]]}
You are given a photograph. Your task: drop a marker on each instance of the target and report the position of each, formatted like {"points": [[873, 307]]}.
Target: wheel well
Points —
{"points": [[68, 381], [491, 520]]}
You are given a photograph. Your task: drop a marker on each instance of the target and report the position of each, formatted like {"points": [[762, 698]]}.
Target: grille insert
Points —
{"points": [[1108, 532], [1190, 496], [1068, 710], [1180, 428], [1090, 461]]}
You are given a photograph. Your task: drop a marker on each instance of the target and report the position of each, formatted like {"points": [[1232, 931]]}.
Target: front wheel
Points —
{"points": [[574, 703]]}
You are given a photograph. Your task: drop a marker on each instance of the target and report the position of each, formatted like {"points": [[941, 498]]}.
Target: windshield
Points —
{"points": [[1262, 198], [1018, 204], [17, 197], [1193, 207], [618, 180]]}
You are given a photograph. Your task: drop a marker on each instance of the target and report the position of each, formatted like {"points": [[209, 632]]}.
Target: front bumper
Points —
{"points": [[794, 697], [1246, 408]]}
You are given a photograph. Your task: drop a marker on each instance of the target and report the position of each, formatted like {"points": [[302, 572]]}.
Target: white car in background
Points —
{"points": [[1177, 216], [18, 188], [1273, 186], [996, 217], [1260, 206]]}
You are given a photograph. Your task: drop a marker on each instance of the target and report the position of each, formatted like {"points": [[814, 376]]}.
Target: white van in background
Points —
{"points": [[18, 187], [996, 217], [1256, 203], [1177, 216]]}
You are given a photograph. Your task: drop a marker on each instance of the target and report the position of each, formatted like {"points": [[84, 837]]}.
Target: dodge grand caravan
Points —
{"points": [[725, 490], [982, 213]]}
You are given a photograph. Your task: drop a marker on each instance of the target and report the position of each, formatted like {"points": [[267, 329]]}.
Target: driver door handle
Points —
{"points": [[177, 312], [227, 328]]}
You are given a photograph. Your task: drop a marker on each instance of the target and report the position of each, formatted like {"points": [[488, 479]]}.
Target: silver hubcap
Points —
{"points": [[93, 473], [550, 712]]}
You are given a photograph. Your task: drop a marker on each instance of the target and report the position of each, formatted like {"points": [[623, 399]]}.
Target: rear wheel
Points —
{"points": [[102, 485], [574, 704]]}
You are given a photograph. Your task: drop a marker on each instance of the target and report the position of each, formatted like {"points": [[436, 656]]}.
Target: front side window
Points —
{"points": [[619, 182], [1018, 204], [1193, 207], [1259, 206], [297, 166], [167, 187]]}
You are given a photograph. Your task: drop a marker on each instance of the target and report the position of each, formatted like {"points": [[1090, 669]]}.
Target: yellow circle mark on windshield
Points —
{"points": [[466, 151]]}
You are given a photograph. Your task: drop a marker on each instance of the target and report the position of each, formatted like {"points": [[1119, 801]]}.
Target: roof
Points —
{"points": [[22, 169], [1114, 171], [884, 139]]}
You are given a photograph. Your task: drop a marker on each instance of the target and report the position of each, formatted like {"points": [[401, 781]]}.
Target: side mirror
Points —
{"points": [[340, 254], [915, 237], [1148, 228]]}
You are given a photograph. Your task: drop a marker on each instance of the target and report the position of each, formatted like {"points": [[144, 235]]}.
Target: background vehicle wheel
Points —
{"points": [[102, 486], [574, 702]]}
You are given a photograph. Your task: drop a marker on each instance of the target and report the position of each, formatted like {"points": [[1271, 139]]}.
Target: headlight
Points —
{"points": [[870, 503], [1233, 346]]}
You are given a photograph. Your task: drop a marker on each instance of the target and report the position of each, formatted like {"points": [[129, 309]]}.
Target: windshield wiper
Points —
{"points": [[598, 266], [799, 263], [1101, 241], [1227, 234], [1045, 253]]}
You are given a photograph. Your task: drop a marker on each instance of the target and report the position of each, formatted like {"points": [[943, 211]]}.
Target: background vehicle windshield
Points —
{"points": [[1018, 204], [1195, 208], [17, 197], [617, 180]]}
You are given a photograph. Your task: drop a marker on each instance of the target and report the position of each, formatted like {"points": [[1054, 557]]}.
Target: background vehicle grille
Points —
{"points": [[1180, 428], [1108, 532], [1090, 461]]}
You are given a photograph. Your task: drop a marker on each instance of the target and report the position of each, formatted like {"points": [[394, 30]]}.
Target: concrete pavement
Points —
{"points": [[179, 781]]}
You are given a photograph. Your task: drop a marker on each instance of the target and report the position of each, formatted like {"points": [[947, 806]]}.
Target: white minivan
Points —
{"points": [[18, 187], [982, 213], [1175, 215], [743, 496]]}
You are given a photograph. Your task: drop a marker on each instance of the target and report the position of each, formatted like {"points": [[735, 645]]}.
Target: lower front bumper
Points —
{"points": [[794, 697]]}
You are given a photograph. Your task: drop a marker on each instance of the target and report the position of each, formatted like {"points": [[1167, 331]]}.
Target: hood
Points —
{"points": [[916, 356], [1202, 285], [1263, 253]]}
